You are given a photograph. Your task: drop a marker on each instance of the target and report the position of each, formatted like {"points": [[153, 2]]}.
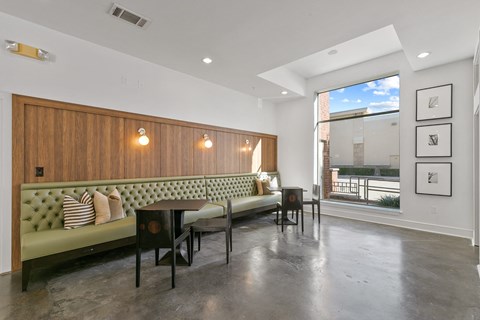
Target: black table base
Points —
{"points": [[182, 258]]}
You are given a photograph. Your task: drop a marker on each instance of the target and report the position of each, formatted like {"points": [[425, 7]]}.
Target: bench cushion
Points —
{"points": [[52, 241], [209, 211], [252, 202]]}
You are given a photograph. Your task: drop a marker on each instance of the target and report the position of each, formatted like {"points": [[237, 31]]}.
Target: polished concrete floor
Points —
{"points": [[342, 269]]}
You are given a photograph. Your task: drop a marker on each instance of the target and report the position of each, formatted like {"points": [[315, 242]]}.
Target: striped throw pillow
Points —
{"points": [[78, 213]]}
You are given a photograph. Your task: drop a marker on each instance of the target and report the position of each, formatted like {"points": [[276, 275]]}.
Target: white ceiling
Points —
{"points": [[250, 37]]}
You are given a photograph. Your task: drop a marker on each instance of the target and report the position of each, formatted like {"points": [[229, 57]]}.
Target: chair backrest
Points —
{"points": [[154, 229], [229, 213], [316, 191], [292, 199]]}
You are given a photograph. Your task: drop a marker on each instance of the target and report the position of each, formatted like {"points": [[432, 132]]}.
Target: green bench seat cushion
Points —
{"points": [[52, 241], [208, 211], [252, 202]]}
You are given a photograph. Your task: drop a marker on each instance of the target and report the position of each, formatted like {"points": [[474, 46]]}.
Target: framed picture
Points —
{"points": [[434, 103], [433, 178], [433, 140]]}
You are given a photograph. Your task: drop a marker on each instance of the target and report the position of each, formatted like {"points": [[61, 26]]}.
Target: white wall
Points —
{"points": [[5, 178], [88, 74], [453, 215]]}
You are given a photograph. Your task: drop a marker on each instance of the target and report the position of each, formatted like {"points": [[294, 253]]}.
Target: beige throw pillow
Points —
{"points": [[265, 186], [108, 208], [259, 187], [102, 208], [115, 203]]}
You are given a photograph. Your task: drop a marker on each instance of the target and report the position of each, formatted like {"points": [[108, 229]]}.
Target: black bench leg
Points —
{"points": [[302, 219], [26, 268], [189, 251], [137, 267], [199, 240]]}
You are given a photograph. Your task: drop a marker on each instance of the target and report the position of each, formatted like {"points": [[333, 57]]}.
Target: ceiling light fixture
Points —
{"points": [[207, 60], [284, 92], [423, 55], [332, 52]]}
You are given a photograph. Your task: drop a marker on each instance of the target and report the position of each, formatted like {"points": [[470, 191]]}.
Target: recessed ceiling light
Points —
{"points": [[284, 92], [207, 60], [423, 55], [332, 52]]}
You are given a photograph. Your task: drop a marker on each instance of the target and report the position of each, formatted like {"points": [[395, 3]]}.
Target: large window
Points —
{"points": [[358, 151]]}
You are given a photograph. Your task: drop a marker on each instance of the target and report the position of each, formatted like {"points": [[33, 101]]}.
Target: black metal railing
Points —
{"points": [[345, 187], [362, 186]]}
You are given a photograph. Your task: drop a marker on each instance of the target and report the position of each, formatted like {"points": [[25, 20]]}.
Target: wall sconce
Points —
{"points": [[143, 139], [207, 142], [26, 50], [248, 146]]}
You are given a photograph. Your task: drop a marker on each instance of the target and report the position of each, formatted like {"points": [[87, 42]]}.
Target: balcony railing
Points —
{"points": [[366, 189]]}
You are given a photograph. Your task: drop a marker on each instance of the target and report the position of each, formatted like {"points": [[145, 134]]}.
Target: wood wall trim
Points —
{"points": [[18, 151], [75, 143], [26, 100]]}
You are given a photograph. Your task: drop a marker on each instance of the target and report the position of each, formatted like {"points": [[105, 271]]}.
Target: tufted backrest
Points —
{"points": [[222, 187], [42, 203]]}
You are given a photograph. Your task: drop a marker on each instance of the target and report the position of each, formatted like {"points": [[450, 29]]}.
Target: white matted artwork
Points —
{"points": [[433, 178], [433, 140], [434, 103]]}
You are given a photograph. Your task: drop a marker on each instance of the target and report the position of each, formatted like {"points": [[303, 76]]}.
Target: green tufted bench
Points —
{"points": [[242, 189], [44, 240]]}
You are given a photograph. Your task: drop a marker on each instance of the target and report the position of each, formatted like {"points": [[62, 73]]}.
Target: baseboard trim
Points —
{"points": [[389, 217]]}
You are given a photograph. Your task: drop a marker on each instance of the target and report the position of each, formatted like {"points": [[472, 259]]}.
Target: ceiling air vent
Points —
{"points": [[129, 16]]}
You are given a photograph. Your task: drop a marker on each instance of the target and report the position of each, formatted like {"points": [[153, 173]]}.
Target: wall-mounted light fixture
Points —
{"points": [[248, 146], [143, 139], [26, 50], [207, 142]]}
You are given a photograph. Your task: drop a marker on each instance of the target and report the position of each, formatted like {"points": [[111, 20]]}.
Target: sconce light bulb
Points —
{"points": [[207, 142], [143, 140]]}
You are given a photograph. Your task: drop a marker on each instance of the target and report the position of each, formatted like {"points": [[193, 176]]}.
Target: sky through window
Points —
{"points": [[378, 96]]}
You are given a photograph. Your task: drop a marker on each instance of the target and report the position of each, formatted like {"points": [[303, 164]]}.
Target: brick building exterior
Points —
{"points": [[324, 138]]}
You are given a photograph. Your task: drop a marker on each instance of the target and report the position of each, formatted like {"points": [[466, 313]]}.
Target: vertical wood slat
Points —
{"points": [[177, 151], [204, 159], [228, 152], [142, 161], [72, 146], [18, 170], [249, 154], [269, 154]]}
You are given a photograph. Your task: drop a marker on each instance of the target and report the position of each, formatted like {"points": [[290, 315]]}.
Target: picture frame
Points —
{"points": [[434, 102], [434, 140], [433, 178]]}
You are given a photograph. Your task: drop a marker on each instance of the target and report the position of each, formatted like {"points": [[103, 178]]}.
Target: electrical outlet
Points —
{"points": [[38, 171], [433, 210]]}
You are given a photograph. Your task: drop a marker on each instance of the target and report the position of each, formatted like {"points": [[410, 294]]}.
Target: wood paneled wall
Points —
{"points": [[75, 142]]}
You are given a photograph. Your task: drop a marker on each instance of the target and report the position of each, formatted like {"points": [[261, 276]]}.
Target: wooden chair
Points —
{"points": [[156, 230], [213, 225], [292, 200], [314, 201]]}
